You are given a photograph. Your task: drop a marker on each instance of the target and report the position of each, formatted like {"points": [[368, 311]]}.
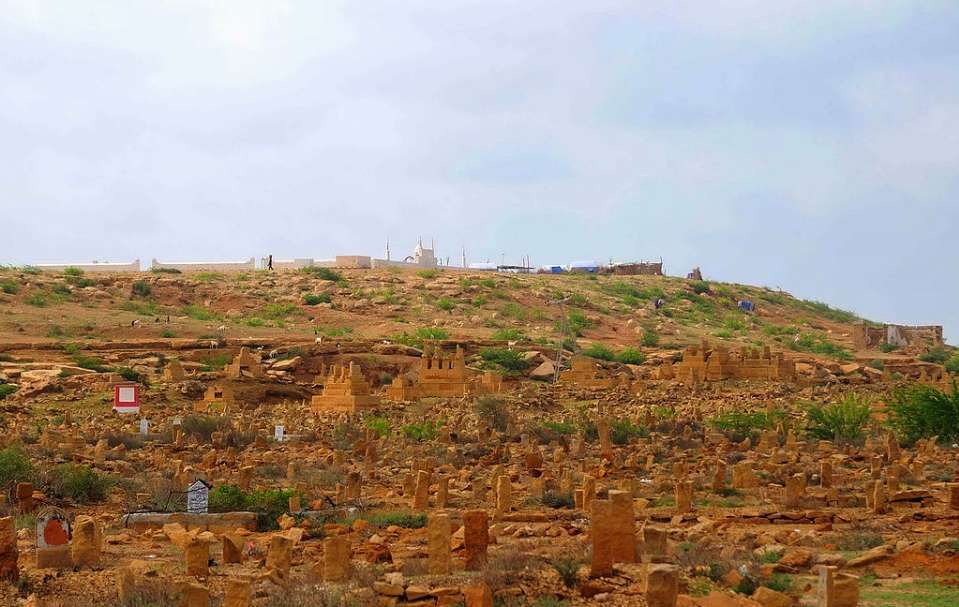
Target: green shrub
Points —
{"points": [[227, 498], [167, 333], [568, 570], [402, 518], [921, 411], [699, 287], [79, 483], [599, 351], [575, 323], [142, 288], [208, 276], [91, 362], [203, 426], [323, 273], [254, 321], [631, 356], [6, 390], [421, 335], [833, 314], [887, 348], [937, 354], [511, 360], [129, 374], [15, 467], [200, 313], [280, 311], [780, 582], [445, 303], [379, 425], [650, 338], [560, 427], [9, 287], [817, 344], [737, 425], [509, 335], [621, 432], [421, 432], [38, 300], [313, 300], [952, 365], [72, 271], [269, 505], [844, 421], [428, 274], [165, 271], [493, 411], [215, 362], [556, 499]]}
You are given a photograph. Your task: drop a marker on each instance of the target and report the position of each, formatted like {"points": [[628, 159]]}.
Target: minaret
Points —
{"points": [[387, 249]]}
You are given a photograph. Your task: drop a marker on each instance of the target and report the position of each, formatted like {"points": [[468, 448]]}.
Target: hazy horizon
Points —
{"points": [[812, 147]]}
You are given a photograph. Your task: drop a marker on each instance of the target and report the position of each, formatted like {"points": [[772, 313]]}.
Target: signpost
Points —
{"points": [[126, 398]]}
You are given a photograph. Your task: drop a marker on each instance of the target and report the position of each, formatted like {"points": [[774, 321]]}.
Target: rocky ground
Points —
{"points": [[651, 492]]}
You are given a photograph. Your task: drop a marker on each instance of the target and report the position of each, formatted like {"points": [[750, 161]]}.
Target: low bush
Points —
{"points": [[428, 274], [15, 467], [699, 287], [90, 362], [379, 425], [421, 432], [599, 351], [142, 288], [952, 365], [509, 335], [129, 374], [322, 273], [738, 425], [445, 303], [72, 271], [556, 499], [510, 360], [268, 504], [203, 426], [650, 338], [9, 287], [844, 421], [401, 518], [420, 336], [79, 483], [937, 354], [568, 570], [314, 300], [7, 389], [560, 427], [493, 411], [622, 431], [200, 313], [921, 411], [631, 356]]}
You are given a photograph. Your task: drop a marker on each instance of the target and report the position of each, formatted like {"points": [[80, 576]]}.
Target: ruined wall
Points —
{"points": [[716, 364], [96, 266], [206, 266], [865, 337], [637, 269]]}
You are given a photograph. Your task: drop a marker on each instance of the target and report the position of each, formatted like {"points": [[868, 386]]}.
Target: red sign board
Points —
{"points": [[126, 398]]}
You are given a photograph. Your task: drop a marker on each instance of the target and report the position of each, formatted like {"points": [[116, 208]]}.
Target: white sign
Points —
{"points": [[198, 498], [278, 433], [144, 427], [126, 398]]}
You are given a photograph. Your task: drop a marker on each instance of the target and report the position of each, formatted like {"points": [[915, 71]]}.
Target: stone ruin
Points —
{"points": [[218, 398], [173, 372], [442, 376], [345, 389], [705, 363], [245, 365], [583, 373], [865, 337]]}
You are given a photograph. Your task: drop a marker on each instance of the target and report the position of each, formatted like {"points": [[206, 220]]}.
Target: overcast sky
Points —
{"points": [[812, 146]]}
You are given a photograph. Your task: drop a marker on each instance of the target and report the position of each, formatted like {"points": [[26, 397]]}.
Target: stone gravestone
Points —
{"points": [[53, 540], [198, 497], [144, 427], [278, 433]]}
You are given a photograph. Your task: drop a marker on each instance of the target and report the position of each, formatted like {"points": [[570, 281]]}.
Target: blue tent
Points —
{"points": [[746, 306]]}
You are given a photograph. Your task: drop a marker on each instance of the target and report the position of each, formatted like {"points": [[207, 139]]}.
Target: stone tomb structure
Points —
{"points": [[443, 376], [865, 337], [583, 373], [245, 365], [705, 363], [217, 399], [345, 389]]}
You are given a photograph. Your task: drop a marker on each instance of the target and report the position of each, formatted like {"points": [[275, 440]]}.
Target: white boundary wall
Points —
{"points": [[205, 266], [96, 266]]}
